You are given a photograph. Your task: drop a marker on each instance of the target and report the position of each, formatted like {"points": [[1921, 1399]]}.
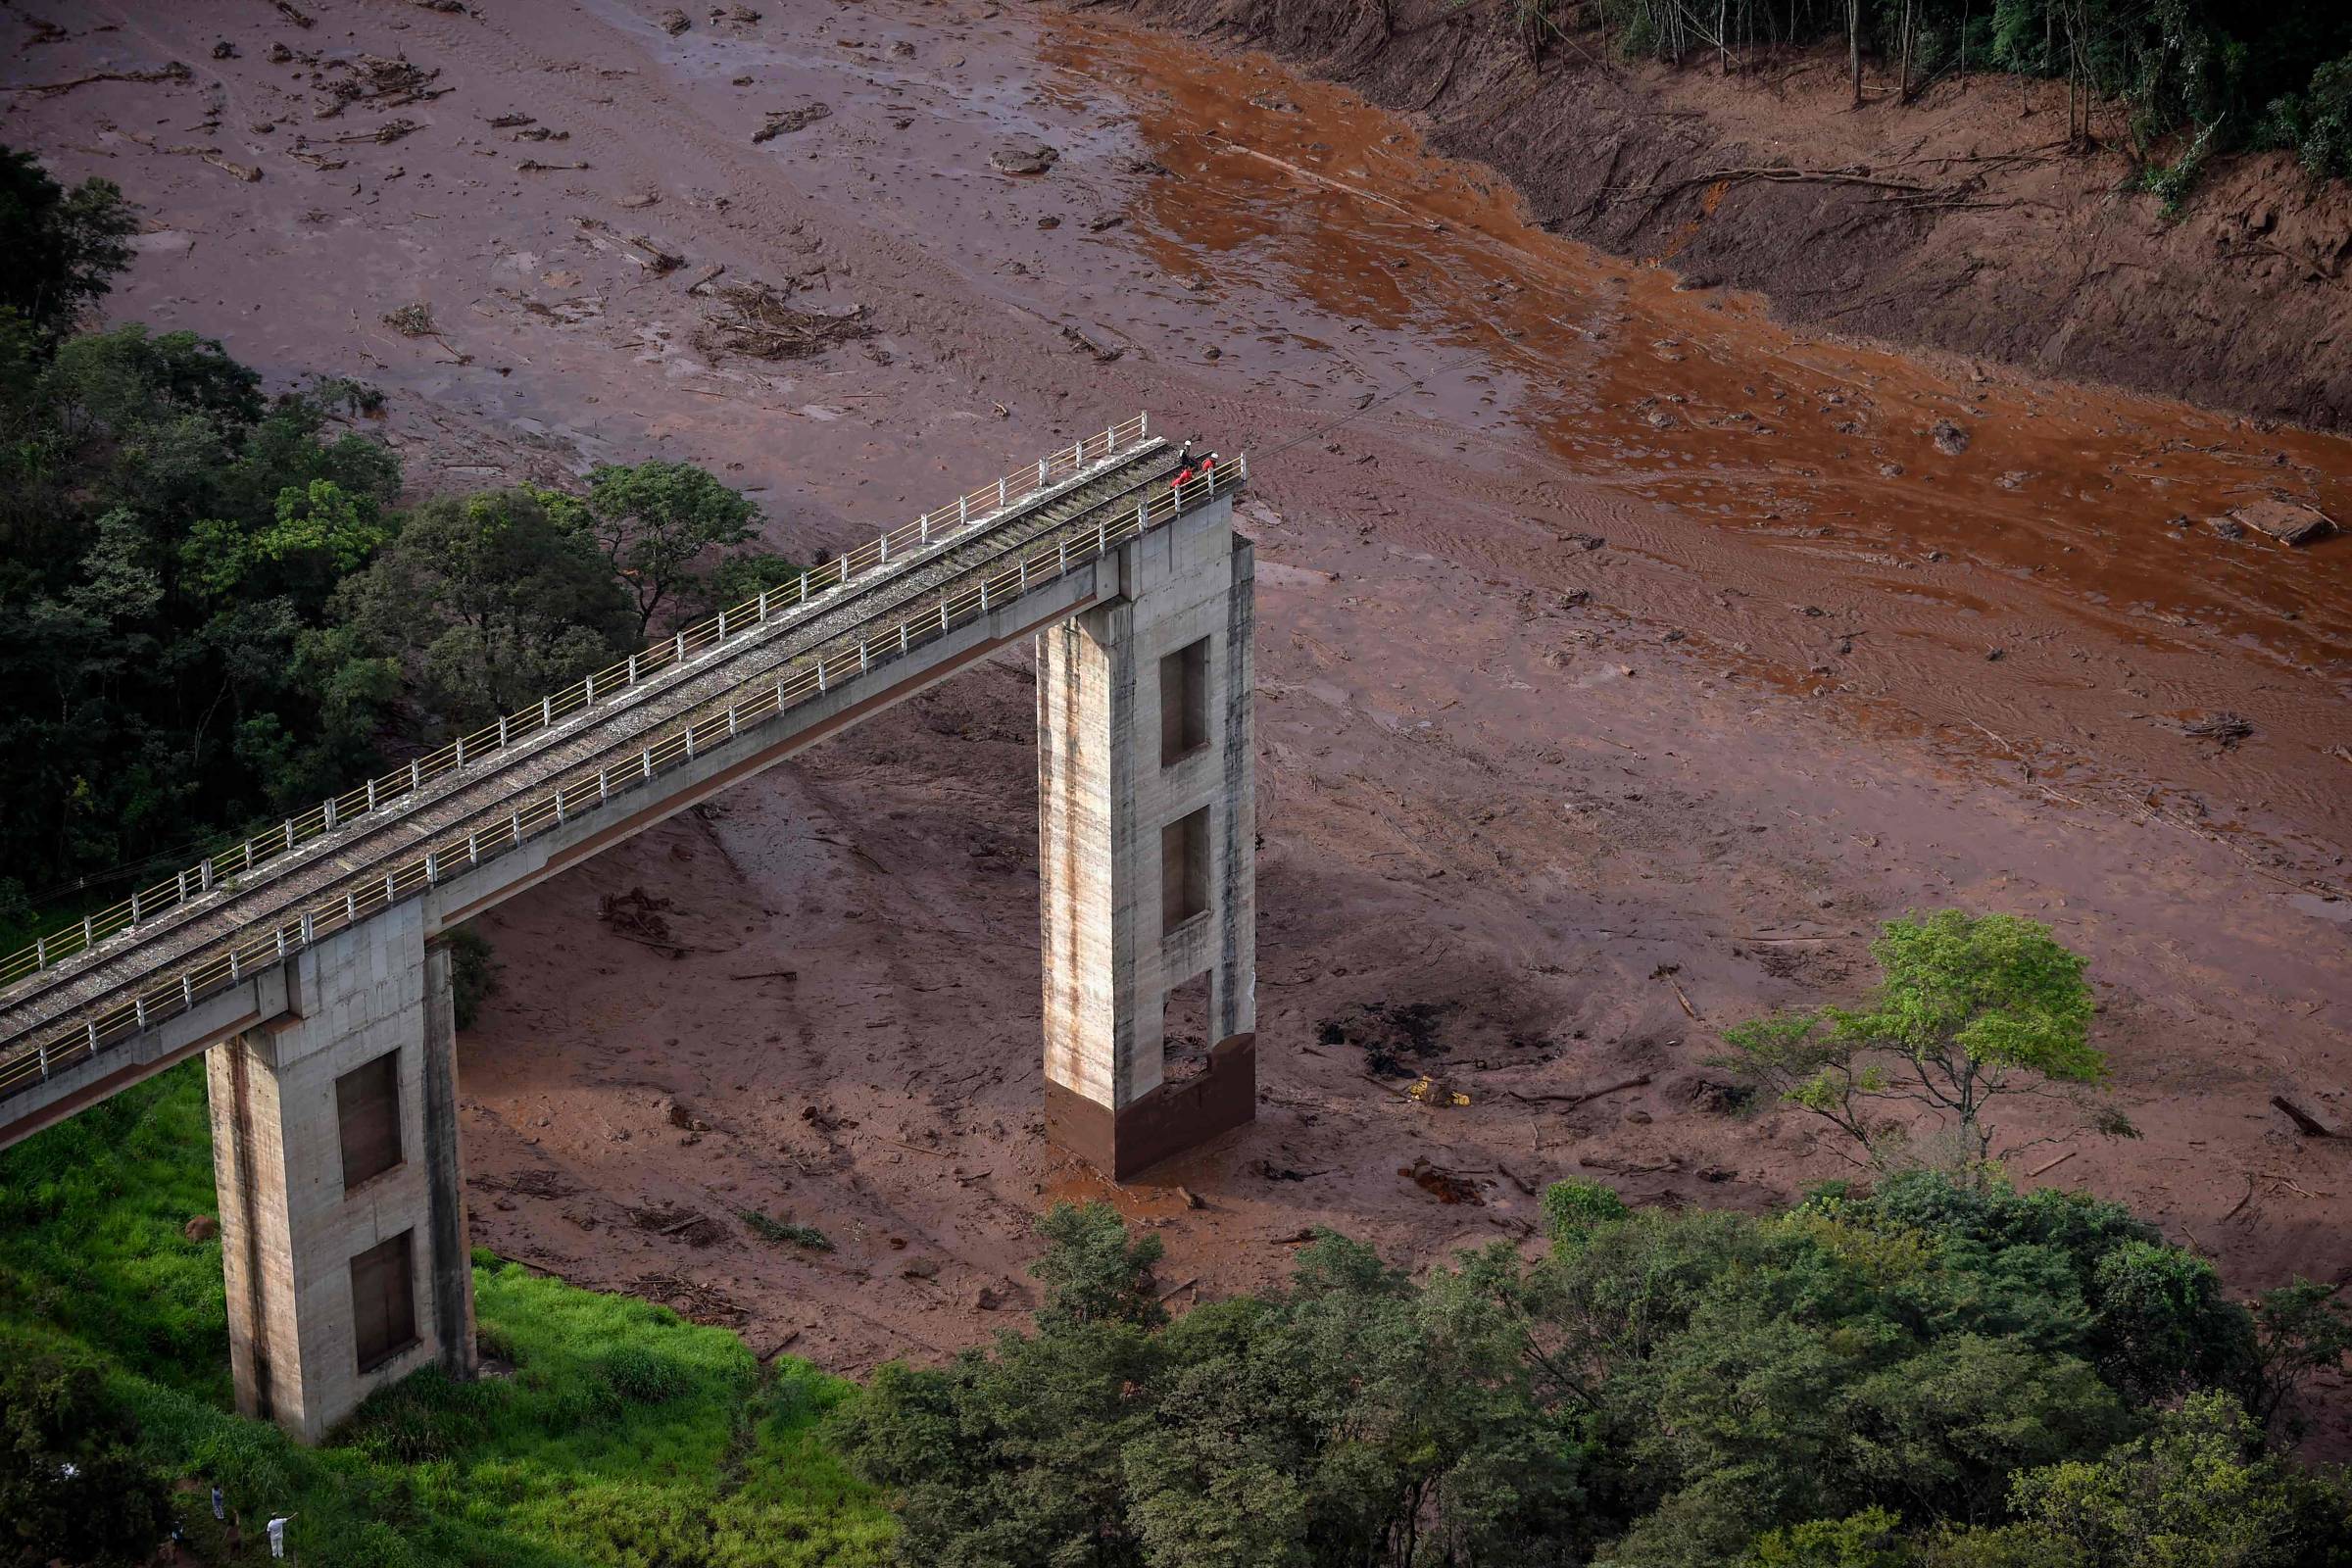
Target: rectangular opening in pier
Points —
{"points": [[1182, 703], [1184, 1031], [384, 1300], [1183, 870], [368, 1106]]}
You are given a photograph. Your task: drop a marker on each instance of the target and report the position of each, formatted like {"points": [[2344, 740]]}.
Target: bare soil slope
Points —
{"points": [[1960, 220]]}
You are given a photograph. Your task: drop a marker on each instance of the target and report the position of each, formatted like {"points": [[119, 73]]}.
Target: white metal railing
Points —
{"points": [[378, 796], [174, 991]]}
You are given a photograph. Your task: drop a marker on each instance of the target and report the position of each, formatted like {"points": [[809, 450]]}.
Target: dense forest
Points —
{"points": [[2257, 73], [214, 609], [1941, 1374]]}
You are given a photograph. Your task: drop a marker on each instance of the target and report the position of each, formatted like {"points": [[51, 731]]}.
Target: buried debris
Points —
{"points": [[380, 83], [2226, 728], [1445, 1186], [1435, 1092], [412, 321], [1086, 345], [692, 1300], [391, 130], [650, 254], [2308, 1122], [784, 121], [1579, 1099], [2290, 522], [173, 72], [1389, 1033], [758, 321], [636, 913], [691, 1225], [1024, 158]]}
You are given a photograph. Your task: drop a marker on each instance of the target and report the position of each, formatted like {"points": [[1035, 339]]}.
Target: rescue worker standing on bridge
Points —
{"points": [[1184, 469]]}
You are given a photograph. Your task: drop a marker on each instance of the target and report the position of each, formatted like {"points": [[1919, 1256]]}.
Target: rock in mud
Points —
{"points": [[1950, 439], [783, 121], [2227, 728], [2290, 522], [1024, 158], [673, 21]]}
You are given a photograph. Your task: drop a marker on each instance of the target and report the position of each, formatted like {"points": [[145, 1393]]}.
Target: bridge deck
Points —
{"points": [[70, 1010]]}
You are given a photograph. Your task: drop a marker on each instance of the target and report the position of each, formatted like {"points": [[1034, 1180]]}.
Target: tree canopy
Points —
{"points": [[2249, 74], [214, 611], [62, 246], [1969, 1010], [1933, 1373]]}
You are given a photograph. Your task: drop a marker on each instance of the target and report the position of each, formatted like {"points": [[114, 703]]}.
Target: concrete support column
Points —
{"points": [[336, 1156], [1146, 828]]}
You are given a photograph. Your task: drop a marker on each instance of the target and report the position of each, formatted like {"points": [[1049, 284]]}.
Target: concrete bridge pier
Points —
{"points": [[1147, 827], [335, 1155]]}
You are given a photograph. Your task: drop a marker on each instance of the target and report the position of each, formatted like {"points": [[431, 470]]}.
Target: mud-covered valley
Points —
{"points": [[1625, 654]]}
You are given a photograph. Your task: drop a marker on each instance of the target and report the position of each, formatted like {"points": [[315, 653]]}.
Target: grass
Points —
{"points": [[625, 1436]]}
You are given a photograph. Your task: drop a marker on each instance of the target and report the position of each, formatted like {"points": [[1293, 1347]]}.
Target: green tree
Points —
{"points": [[1970, 1011], [1093, 1273], [1857, 1383], [72, 1484], [657, 521], [745, 575], [1870, 1539], [170, 540], [487, 601], [2196, 1493], [63, 247], [2301, 1328]]}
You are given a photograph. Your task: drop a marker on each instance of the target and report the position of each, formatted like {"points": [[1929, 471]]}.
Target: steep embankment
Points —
{"points": [[1958, 221]]}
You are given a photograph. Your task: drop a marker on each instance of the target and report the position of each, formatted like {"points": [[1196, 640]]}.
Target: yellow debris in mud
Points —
{"points": [[1430, 1091]]}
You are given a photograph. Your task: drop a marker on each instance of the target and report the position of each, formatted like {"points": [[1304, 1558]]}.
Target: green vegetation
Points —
{"points": [[1971, 1010], [1934, 1374], [63, 247], [623, 1435], [212, 610], [2253, 74], [789, 1232]]}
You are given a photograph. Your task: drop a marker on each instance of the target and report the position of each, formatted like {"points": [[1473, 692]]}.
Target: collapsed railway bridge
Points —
{"points": [[309, 963]]}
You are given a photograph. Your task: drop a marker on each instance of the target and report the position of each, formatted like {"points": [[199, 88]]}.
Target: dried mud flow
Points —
{"points": [[1962, 219], [1624, 656]]}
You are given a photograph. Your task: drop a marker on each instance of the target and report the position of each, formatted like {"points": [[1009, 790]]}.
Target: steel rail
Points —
{"points": [[974, 509], [174, 988], [655, 702]]}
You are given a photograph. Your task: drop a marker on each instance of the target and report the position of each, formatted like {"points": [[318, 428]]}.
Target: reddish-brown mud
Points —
{"points": [[1963, 218], [1624, 657]]}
